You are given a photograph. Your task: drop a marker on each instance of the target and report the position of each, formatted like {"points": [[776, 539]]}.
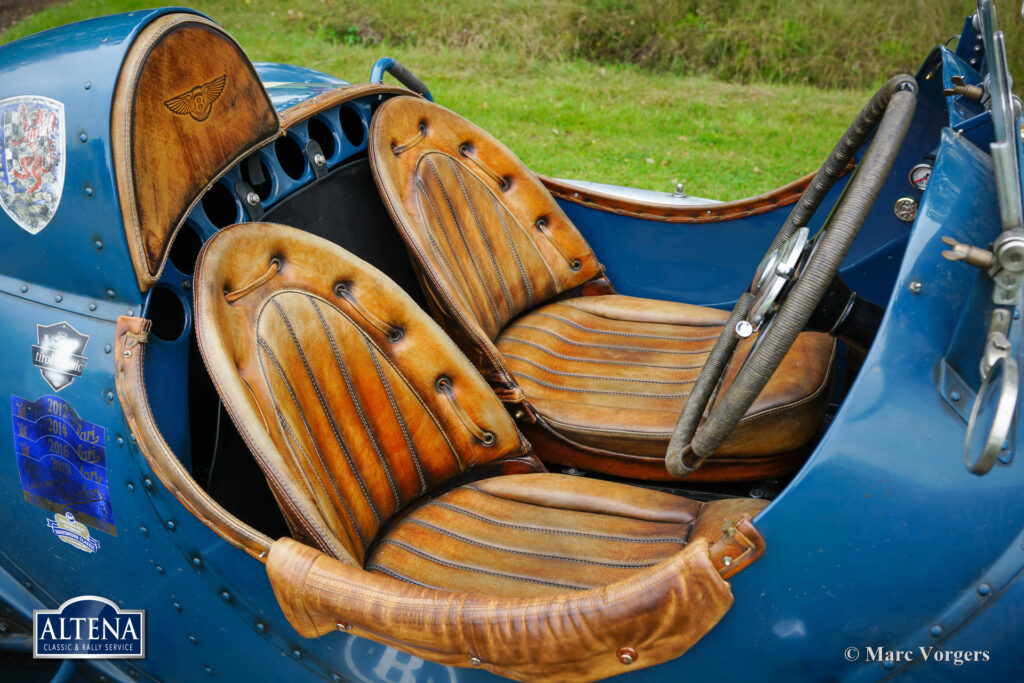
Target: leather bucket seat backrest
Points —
{"points": [[457, 193], [350, 397]]}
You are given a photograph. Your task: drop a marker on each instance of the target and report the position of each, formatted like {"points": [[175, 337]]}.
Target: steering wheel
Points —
{"points": [[792, 278]]}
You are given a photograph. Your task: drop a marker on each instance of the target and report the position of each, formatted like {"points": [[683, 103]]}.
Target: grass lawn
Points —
{"points": [[564, 116]]}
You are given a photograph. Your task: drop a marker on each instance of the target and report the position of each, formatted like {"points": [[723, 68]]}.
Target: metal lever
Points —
{"points": [[973, 92], [972, 256]]}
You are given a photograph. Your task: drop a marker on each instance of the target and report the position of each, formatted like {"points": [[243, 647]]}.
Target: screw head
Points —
{"points": [[193, 640], [744, 329], [984, 589], [319, 159], [144, 530], [176, 606], [159, 569], [626, 655], [475, 661], [225, 596], [341, 626], [252, 198]]}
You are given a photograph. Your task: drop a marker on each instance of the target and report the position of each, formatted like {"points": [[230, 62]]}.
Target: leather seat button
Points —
{"points": [[626, 655]]}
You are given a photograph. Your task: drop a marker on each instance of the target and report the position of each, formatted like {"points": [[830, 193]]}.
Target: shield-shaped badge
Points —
{"points": [[32, 155], [58, 355]]}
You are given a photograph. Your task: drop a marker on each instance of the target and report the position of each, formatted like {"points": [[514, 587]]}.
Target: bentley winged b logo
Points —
{"points": [[198, 101]]}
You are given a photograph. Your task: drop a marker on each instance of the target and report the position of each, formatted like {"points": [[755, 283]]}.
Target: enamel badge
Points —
{"points": [[32, 159]]}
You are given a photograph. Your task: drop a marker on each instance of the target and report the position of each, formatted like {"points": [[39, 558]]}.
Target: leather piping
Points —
{"points": [[707, 213], [131, 336], [331, 98]]}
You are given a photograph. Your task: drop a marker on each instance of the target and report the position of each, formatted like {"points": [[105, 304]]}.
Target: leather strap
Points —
{"points": [[132, 334]]}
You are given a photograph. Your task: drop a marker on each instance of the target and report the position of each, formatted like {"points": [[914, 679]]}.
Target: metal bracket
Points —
{"points": [[316, 158], [250, 200], [955, 391]]}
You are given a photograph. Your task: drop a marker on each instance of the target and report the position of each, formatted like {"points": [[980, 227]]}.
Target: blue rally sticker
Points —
{"points": [[62, 461], [89, 627]]}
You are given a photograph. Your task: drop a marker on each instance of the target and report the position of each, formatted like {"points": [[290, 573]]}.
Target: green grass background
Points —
{"points": [[730, 97]]}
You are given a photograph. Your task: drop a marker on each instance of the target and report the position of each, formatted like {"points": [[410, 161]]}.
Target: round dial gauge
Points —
{"points": [[919, 176]]}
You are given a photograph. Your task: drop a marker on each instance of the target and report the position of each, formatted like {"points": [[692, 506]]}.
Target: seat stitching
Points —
{"points": [[520, 326], [447, 239], [356, 403], [652, 322], [604, 377], [327, 413], [376, 567], [290, 435], [579, 390], [499, 211], [487, 243], [624, 334], [450, 534], [598, 360], [266, 348], [413, 455], [462, 236], [455, 565], [549, 530]]}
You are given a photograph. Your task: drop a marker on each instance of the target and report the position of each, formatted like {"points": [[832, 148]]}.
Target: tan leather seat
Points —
{"points": [[359, 409], [597, 380]]}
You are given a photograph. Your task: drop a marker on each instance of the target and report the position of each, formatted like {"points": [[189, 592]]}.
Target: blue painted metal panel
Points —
{"points": [[83, 249], [881, 537], [885, 506]]}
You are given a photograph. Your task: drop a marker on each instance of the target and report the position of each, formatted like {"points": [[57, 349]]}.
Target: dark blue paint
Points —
{"points": [[881, 538], [59, 64]]}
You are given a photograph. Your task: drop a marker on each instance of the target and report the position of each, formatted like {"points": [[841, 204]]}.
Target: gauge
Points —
{"points": [[906, 209], [919, 176]]}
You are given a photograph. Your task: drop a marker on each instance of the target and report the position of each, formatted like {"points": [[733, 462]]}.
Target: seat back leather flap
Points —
{"points": [[352, 399], [489, 238], [188, 106]]}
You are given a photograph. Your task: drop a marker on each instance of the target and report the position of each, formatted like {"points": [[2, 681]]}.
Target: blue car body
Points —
{"points": [[883, 543]]}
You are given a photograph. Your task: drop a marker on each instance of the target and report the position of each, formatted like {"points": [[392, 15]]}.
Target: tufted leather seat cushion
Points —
{"points": [[543, 534], [613, 373], [596, 381]]}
